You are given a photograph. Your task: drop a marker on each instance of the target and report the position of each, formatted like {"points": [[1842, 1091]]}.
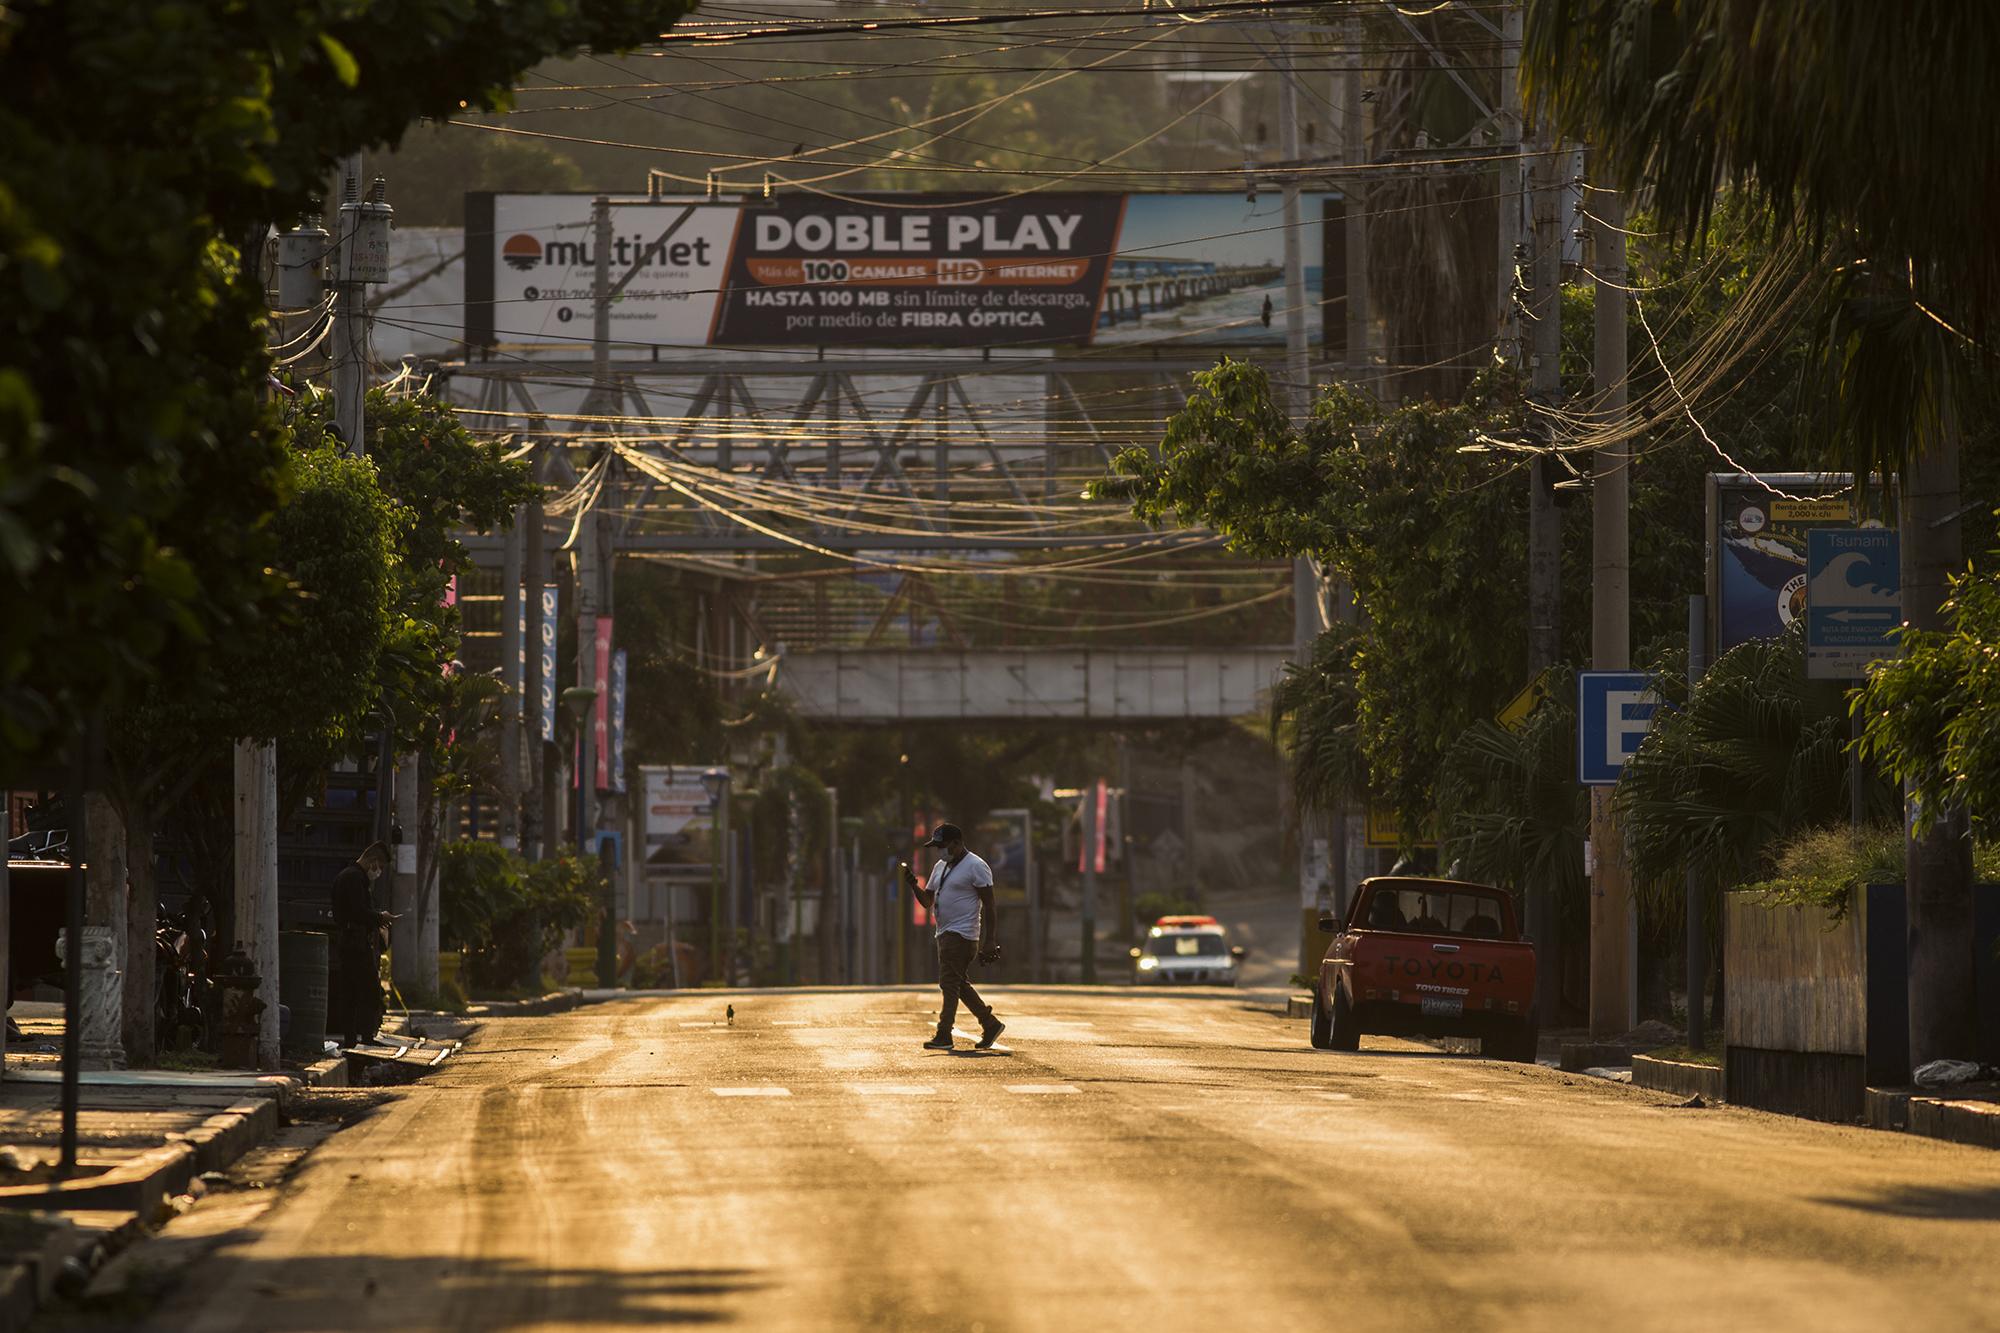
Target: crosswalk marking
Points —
{"points": [[790, 1022], [752, 1092], [1041, 1089], [892, 1089]]}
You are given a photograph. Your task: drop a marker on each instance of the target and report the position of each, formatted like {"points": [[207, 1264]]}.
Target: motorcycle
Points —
{"points": [[183, 991]]}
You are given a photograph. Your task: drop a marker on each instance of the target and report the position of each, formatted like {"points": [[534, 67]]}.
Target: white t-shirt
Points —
{"points": [[957, 887]]}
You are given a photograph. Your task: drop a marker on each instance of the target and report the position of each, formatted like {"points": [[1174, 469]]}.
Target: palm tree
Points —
{"points": [[1869, 132]]}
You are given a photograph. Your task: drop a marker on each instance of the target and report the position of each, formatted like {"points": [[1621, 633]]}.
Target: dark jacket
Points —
{"points": [[353, 907]]}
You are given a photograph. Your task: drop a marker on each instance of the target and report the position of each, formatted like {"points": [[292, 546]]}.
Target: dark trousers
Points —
{"points": [[954, 959], [355, 1006]]}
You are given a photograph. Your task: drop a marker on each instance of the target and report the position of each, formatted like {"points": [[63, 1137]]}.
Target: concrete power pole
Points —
{"points": [[1307, 621], [513, 672], [1354, 194], [1543, 311], [537, 833], [1091, 824], [1508, 203], [1611, 918], [1545, 385]]}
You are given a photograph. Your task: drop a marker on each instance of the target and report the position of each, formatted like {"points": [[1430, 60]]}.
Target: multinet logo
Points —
{"points": [[522, 252]]}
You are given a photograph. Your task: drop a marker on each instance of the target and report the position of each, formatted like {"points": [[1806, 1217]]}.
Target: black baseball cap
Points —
{"points": [[943, 835]]}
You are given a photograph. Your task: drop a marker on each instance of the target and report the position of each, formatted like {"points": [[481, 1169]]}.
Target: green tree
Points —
{"points": [[303, 672], [139, 462], [1933, 715], [1862, 131], [1753, 754], [1409, 504]]}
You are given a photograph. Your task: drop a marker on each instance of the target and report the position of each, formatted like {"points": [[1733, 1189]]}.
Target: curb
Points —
{"points": [[143, 1183], [140, 1186], [1976, 1123], [1682, 1078], [1577, 1056], [555, 1002], [1298, 1006]]}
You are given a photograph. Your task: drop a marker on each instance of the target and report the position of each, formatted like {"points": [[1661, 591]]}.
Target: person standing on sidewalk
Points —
{"points": [[360, 934], [960, 892]]}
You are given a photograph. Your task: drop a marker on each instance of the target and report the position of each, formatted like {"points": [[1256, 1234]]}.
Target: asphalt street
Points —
{"points": [[1178, 1161]]}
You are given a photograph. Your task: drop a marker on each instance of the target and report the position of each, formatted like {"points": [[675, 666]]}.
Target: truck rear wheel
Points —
{"points": [[1520, 1045], [1343, 1032], [1322, 1024]]}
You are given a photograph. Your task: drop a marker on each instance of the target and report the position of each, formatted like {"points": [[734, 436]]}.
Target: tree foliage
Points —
{"points": [[1510, 811], [139, 463], [1754, 754], [1932, 716], [1408, 505], [1860, 130]]}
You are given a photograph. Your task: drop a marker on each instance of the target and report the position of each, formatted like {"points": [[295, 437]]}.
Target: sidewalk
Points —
{"points": [[144, 1138]]}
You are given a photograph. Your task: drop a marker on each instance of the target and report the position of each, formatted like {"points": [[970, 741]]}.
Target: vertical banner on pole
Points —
{"points": [[551, 595], [617, 783], [600, 711], [1097, 848]]}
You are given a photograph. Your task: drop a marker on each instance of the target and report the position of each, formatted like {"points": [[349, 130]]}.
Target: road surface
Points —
{"points": [[1178, 1161]]}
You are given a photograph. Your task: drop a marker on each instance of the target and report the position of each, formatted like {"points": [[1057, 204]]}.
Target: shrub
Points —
{"points": [[1821, 867], [506, 913]]}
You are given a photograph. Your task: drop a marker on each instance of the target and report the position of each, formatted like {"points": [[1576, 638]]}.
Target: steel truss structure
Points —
{"points": [[701, 453]]}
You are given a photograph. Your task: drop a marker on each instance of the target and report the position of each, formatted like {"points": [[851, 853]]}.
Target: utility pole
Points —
{"points": [[586, 679], [514, 674], [1545, 386], [1543, 310], [349, 357], [1508, 201], [1354, 196], [600, 305], [1307, 624], [1612, 937], [1091, 825], [1944, 1019], [535, 834], [1697, 892]]}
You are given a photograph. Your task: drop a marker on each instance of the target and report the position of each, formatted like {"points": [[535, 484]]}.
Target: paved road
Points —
{"points": [[1160, 1162]]}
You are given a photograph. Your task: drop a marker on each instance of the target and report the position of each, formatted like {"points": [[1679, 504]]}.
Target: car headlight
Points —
{"points": [[1148, 963]]}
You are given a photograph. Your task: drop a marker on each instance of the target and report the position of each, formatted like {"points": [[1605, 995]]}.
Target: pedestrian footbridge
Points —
{"points": [[1003, 685]]}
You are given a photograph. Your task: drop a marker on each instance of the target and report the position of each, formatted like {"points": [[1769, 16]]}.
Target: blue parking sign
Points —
{"points": [[1614, 710]]}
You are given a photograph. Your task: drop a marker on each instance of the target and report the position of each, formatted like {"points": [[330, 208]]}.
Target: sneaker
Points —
{"points": [[988, 1034], [939, 1043]]}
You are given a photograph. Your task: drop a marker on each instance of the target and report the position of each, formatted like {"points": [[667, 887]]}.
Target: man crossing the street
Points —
{"points": [[960, 892]]}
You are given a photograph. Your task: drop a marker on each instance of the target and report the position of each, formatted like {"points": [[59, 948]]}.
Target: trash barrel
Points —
{"points": [[302, 958]]}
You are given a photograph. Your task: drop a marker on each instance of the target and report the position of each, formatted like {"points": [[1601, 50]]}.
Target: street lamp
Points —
{"points": [[715, 781]]}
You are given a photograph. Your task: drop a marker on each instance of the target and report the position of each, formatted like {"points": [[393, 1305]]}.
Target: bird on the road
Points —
{"points": [[730, 1011]]}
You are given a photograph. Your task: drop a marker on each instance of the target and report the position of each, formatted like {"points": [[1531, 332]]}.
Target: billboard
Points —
{"points": [[678, 822], [1757, 527], [1042, 269]]}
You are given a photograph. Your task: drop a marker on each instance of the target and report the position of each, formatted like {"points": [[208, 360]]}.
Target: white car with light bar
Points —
{"points": [[1186, 951]]}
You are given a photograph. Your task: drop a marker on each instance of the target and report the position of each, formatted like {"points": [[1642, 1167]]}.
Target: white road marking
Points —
{"points": [[700, 1025], [892, 1089], [1335, 1096], [1041, 1089], [752, 1092], [791, 1022]]}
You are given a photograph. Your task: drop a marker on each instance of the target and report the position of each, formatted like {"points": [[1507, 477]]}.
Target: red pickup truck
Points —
{"points": [[1427, 957]]}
